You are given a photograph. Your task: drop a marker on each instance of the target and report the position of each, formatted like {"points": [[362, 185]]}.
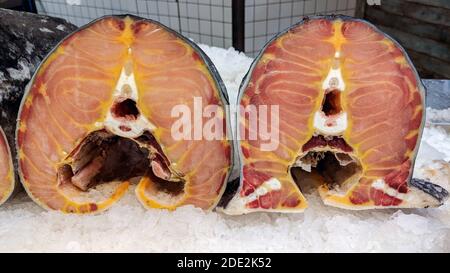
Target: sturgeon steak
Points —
{"points": [[98, 116], [351, 114], [7, 180]]}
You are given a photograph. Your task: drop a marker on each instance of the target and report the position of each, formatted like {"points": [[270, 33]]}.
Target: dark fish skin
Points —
{"points": [[230, 191], [25, 39], [434, 190]]}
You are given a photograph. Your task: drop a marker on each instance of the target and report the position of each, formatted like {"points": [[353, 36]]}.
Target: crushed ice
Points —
{"points": [[44, 29]]}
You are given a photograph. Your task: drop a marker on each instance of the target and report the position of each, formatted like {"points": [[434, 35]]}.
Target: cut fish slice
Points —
{"points": [[6, 169], [351, 114], [99, 115]]}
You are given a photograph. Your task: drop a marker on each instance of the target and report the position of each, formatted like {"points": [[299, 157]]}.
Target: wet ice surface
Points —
{"points": [[129, 227]]}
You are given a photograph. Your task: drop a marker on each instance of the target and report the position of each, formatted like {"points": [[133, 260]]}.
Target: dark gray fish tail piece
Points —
{"points": [[434, 190]]}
